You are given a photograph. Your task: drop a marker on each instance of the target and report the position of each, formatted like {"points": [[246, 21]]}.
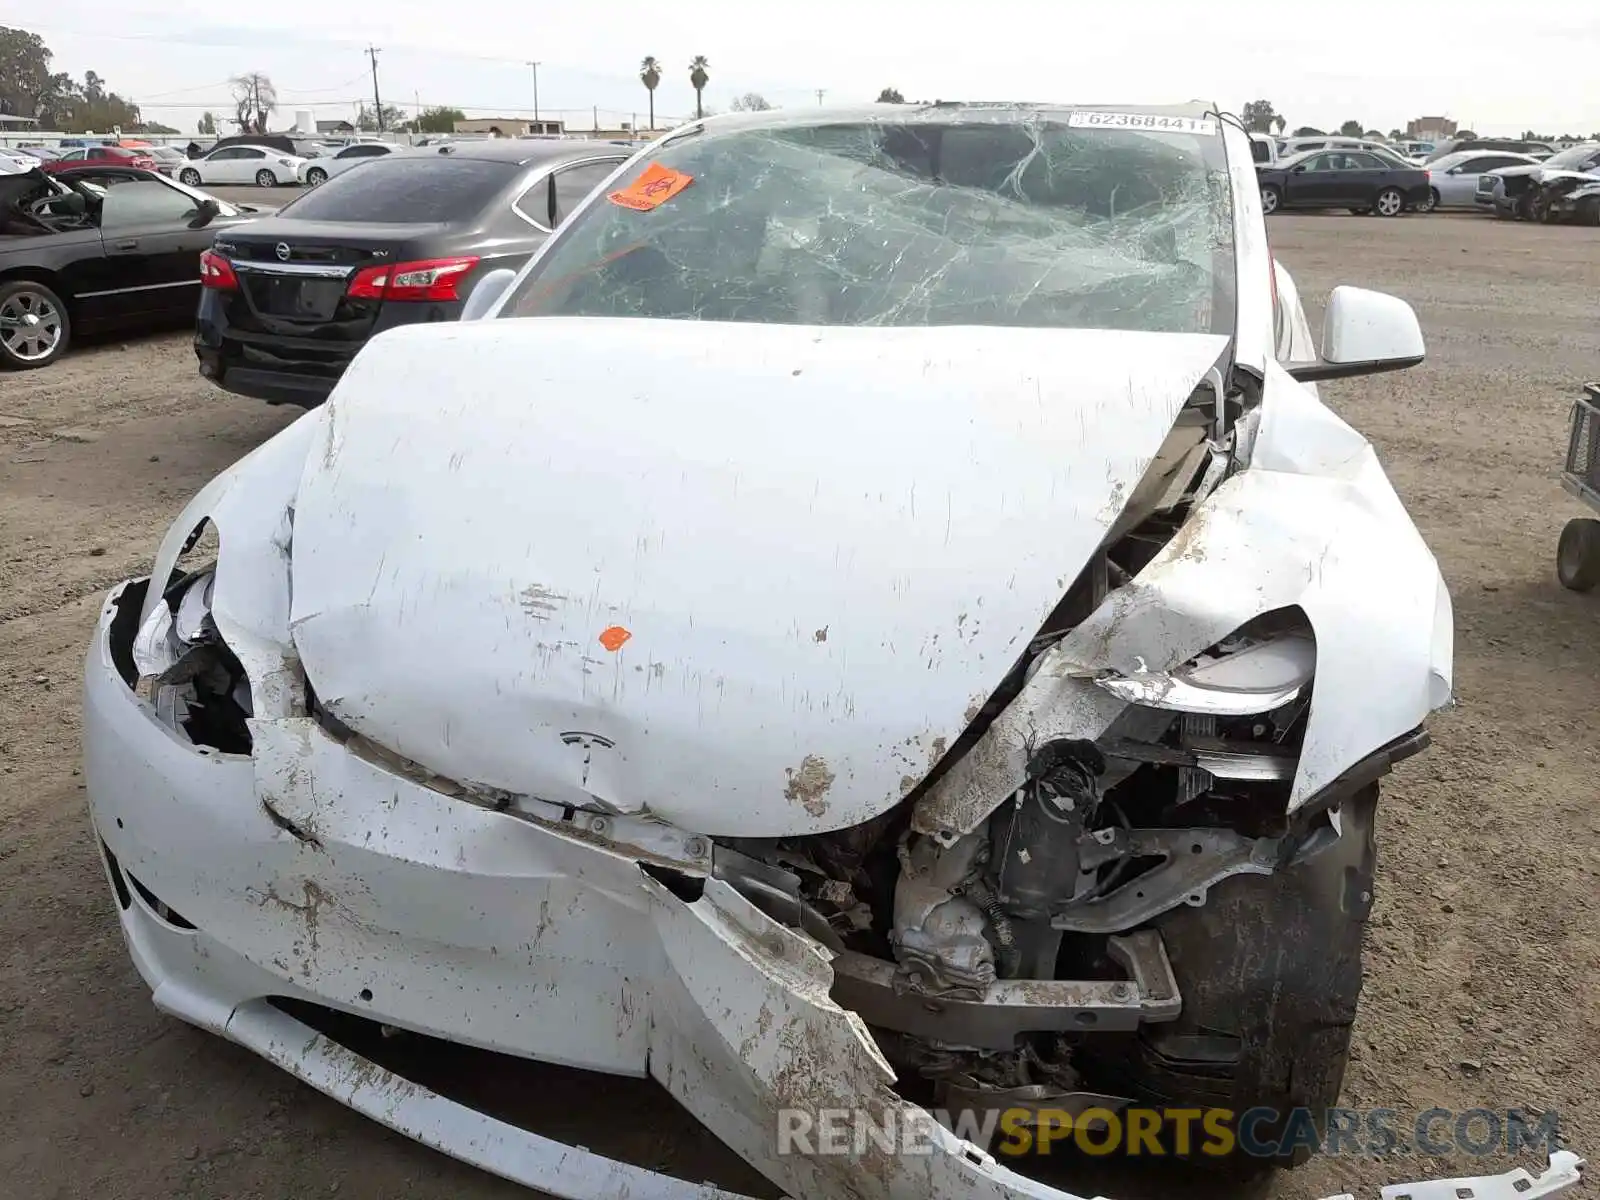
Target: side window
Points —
{"points": [[1260, 151], [247, 152], [1364, 162], [574, 183], [1311, 146], [366, 151], [144, 202], [224, 155], [73, 156]]}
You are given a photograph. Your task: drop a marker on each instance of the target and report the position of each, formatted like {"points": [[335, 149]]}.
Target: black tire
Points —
{"points": [[27, 345], [1578, 555], [1432, 201], [1589, 211], [265, 178], [1524, 206], [189, 176], [316, 176], [1360, 212], [1270, 973], [1271, 199], [1389, 202]]}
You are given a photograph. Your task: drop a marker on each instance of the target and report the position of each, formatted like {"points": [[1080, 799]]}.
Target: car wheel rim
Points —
{"points": [[1269, 200], [190, 177], [1388, 204], [30, 326], [265, 179]]}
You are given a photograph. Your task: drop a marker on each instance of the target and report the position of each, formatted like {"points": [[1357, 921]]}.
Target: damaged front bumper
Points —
{"points": [[310, 871]]}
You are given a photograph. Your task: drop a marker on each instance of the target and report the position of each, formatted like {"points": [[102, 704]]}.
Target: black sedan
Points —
{"points": [[96, 248], [400, 239], [1350, 179]]}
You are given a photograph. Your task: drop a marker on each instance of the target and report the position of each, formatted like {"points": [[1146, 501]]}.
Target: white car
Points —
{"points": [[841, 625], [260, 165], [319, 170]]}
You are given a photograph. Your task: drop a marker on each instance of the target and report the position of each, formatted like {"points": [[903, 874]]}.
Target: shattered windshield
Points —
{"points": [[1026, 221]]}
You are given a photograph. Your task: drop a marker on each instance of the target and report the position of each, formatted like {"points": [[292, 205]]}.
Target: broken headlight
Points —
{"points": [[188, 674]]}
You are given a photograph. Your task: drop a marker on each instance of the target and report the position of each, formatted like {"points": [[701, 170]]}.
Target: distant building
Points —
{"points": [[335, 127], [509, 126], [1431, 129]]}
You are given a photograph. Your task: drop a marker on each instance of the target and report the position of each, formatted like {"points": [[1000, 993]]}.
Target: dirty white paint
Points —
{"points": [[812, 547], [517, 938]]}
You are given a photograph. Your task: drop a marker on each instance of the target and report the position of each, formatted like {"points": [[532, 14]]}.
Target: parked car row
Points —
{"points": [[1509, 183], [281, 304], [1564, 187]]}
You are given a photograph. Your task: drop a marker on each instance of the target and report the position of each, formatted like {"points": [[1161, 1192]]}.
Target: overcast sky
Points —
{"points": [[1319, 65]]}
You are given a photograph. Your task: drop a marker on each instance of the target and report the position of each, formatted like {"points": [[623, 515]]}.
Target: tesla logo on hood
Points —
{"points": [[282, 251], [588, 743]]}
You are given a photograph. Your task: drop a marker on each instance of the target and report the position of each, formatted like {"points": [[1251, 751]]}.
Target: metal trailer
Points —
{"points": [[1578, 554]]}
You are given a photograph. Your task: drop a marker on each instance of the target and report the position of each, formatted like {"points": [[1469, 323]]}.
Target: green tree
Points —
{"points": [[25, 77], [891, 96], [1258, 116], [367, 121], [699, 76], [1351, 129], [208, 124], [439, 120], [1464, 135], [750, 102], [650, 76], [1309, 131], [1395, 135]]}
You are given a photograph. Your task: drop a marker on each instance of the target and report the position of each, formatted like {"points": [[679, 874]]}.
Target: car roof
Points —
{"points": [[512, 150], [246, 146]]}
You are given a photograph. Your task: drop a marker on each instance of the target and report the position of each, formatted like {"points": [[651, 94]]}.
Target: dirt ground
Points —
{"points": [[1484, 953]]}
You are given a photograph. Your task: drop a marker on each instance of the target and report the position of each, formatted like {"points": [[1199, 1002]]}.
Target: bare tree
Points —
{"points": [[254, 98], [699, 76], [650, 76]]}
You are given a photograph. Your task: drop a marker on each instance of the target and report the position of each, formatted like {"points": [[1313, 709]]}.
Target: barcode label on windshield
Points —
{"points": [[1143, 122]]}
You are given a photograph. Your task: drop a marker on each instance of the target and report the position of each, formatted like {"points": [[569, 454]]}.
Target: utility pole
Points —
{"points": [[377, 104], [821, 92], [535, 67]]}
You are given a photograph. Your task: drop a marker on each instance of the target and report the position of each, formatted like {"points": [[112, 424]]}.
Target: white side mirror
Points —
{"points": [[490, 288], [1364, 333]]}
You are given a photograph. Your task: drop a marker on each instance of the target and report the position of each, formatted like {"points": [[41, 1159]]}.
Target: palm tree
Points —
{"points": [[699, 76], [650, 75]]}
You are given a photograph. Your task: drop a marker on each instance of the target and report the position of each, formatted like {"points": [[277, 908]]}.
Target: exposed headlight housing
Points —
{"points": [[186, 671]]}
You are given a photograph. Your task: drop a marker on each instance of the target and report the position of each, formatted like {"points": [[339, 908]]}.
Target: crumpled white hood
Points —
{"points": [[751, 578]]}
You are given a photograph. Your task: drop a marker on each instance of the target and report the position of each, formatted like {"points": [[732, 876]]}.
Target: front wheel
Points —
{"points": [[1389, 203], [34, 326], [1271, 199], [316, 176], [265, 178], [1578, 555], [1431, 203], [189, 176], [1270, 972], [1589, 211]]}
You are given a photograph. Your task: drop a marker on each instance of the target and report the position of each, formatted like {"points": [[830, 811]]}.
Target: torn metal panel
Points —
{"points": [[252, 506], [465, 541], [1311, 523]]}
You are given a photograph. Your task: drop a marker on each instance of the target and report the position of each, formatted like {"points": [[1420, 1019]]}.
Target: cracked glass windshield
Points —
{"points": [[983, 217]]}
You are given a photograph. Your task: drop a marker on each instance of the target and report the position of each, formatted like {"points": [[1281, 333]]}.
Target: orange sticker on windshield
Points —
{"points": [[654, 188]]}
